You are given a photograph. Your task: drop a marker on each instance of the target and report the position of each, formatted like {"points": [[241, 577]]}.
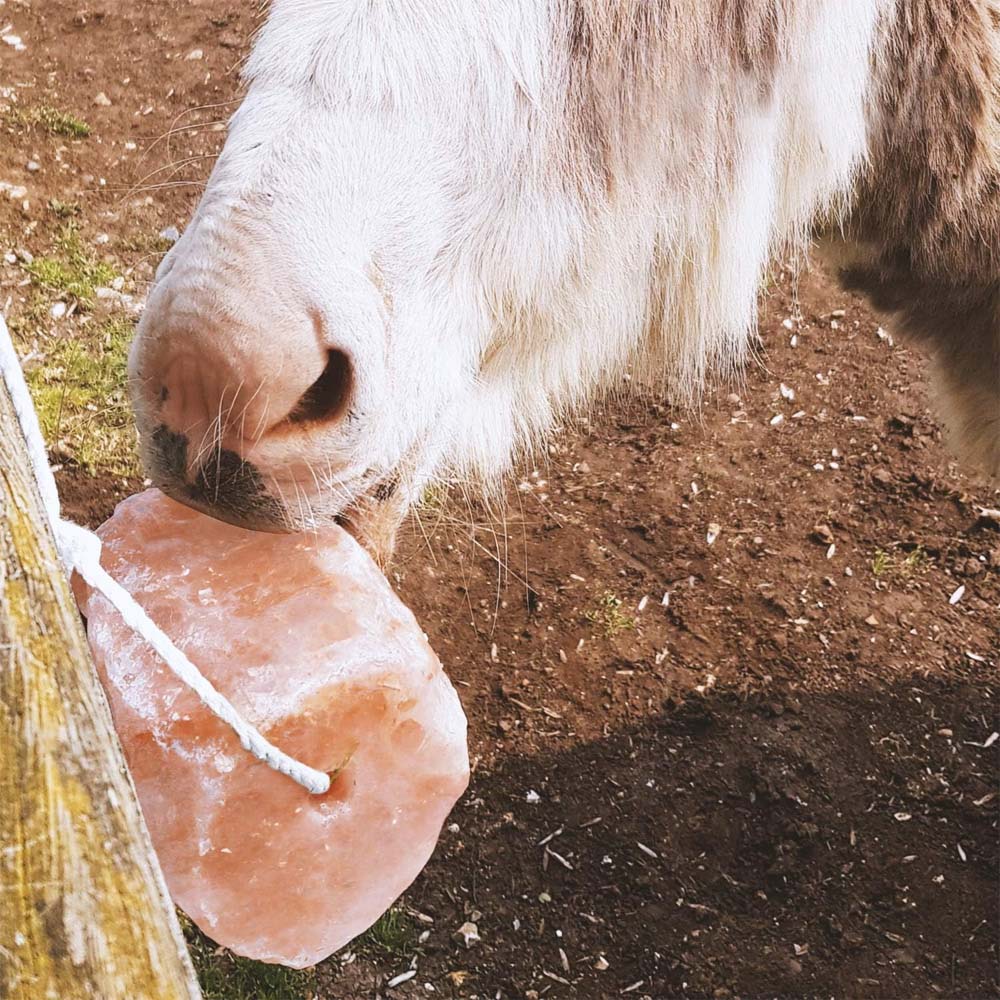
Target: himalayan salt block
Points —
{"points": [[306, 638]]}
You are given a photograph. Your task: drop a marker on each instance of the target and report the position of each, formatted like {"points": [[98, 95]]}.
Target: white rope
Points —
{"points": [[80, 550]]}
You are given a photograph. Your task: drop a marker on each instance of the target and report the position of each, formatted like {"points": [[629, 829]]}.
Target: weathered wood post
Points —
{"points": [[84, 912]]}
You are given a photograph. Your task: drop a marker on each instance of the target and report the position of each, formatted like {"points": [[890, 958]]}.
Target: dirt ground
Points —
{"points": [[730, 710]]}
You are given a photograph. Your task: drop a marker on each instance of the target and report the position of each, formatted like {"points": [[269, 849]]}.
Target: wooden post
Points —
{"points": [[84, 911]]}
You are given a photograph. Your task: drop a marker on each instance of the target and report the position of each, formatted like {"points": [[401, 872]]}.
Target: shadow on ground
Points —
{"points": [[838, 845]]}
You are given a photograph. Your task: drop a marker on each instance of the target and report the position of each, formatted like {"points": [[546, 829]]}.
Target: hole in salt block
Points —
{"points": [[341, 785], [408, 736]]}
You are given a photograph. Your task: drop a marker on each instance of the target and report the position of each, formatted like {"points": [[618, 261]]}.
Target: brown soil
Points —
{"points": [[774, 786]]}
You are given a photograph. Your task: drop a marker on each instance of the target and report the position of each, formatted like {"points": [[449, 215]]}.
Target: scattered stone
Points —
{"points": [[403, 977], [194, 55], [33, 166], [601, 964], [989, 518], [971, 567], [102, 100], [171, 234], [58, 310], [468, 934], [821, 533]]}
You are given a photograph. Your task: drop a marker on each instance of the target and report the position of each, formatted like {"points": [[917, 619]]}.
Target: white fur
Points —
{"points": [[427, 139]]}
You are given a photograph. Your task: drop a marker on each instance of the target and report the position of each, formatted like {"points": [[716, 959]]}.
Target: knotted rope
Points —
{"points": [[80, 551]]}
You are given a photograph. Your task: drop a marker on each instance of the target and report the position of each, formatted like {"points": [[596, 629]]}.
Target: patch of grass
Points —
{"points": [[146, 244], [64, 209], [609, 615], [224, 976], [434, 498], [79, 385], [50, 119], [881, 563], [916, 561], [391, 934], [72, 270], [884, 564]]}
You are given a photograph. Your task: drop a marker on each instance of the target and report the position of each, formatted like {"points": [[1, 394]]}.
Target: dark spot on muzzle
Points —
{"points": [[169, 454], [224, 486], [386, 489]]}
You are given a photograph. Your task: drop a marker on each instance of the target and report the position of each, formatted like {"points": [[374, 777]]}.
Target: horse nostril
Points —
{"points": [[327, 398]]}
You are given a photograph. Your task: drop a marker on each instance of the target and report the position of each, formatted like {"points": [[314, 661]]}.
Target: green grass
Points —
{"points": [[224, 976], [79, 385], [147, 244], [884, 564], [881, 563], [64, 209], [50, 120], [72, 270], [392, 934], [608, 615]]}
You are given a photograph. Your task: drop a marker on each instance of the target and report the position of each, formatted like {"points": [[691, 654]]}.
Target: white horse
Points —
{"points": [[438, 224]]}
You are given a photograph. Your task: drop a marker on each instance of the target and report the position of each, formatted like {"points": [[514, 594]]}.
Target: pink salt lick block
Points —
{"points": [[307, 639]]}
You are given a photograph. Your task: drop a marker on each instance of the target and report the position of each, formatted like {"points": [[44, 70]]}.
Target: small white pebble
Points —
{"points": [[102, 100], [33, 166], [533, 798], [403, 977], [713, 533], [58, 310], [194, 55], [778, 418], [786, 392], [957, 595]]}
